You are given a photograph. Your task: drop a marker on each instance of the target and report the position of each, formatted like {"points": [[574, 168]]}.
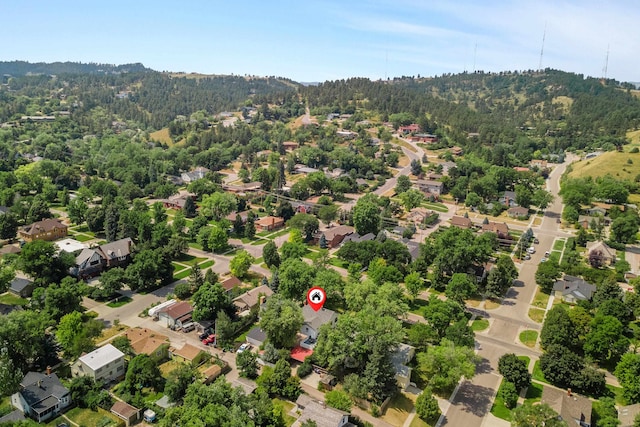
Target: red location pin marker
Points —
{"points": [[316, 298]]}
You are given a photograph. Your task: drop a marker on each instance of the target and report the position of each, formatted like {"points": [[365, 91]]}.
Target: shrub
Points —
{"points": [[305, 369], [338, 399], [427, 406], [509, 394]]}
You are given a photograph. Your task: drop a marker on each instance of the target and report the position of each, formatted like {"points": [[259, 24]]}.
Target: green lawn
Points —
{"points": [[479, 325], [287, 407], [417, 305], [82, 237], [438, 207], [336, 262], [534, 393], [537, 373], [555, 257], [11, 299], [119, 302], [558, 245], [195, 245], [190, 260], [541, 299], [206, 264], [536, 314], [182, 274], [529, 337], [87, 417], [398, 410], [498, 409], [417, 422]]}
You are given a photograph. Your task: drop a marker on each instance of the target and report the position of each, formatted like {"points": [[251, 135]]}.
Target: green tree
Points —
{"points": [[328, 213], [295, 277], [444, 365], [514, 370], [241, 263], [509, 394], [605, 342], [142, 372], [624, 228], [338, 399], [39, 260], [427, 406], [69, 329], [247, 363], [293, 250], [111, 281], [411, 198], [628, 373], [8, 226], [250, 227], [366, 217], [218, 238], [403, 183], [461, 287], [189, 208], [225, 329], [179, 380], [306, 223], [123, 344], [63, 299], [10, 376], [208, 300], [179, 223], [218, 205], [536, 415], [558, 329], [546, 275], [416, 167], [281, 320], [413, 283], [560, 366]]}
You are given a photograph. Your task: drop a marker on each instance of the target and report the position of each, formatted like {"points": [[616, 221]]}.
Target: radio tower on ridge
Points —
{"points": [[606, 64], [544, 36]]}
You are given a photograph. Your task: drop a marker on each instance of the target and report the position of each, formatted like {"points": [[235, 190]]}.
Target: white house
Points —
{"points": [[104, 364], [41, 396], [313, 320]]}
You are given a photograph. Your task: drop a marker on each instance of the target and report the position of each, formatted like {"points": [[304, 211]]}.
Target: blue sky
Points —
{"points": [[317, 40]]}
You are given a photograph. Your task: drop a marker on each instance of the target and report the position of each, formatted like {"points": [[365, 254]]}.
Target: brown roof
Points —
{"points": [[124, 410], [461, 222], [212, 372], [269, 220], [44, 226], [496, 227], [251, 298], [341, 230], [187, 352], [178, 310], [518, 210], [145, 341], [568, 405], [231, 283]]}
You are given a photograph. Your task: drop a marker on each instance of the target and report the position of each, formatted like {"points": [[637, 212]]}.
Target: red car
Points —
{"points": [[209, 340]]}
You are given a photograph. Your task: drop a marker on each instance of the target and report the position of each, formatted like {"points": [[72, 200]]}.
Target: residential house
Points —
{"points": [[242, 189], [597, 211], [500, 229], [290, 145], [400, 360], [269, 223], [335, 235], [412, 128], [91, 262], [355, 237], [245, 384], [585, 221], [21, 287], [251, 298], [346, 134], [538, 163], [210, 374], [412, 247], [572, 289], [194, 175], [518, 212], [607, 251], [187, 353], [627, 414], [129, 414], [447, 166], [461, 222], [430, 186], [313, 320], [70, 245], [175, 315], [10, 249], [457, 151], [572, 408], [508, 198], [230, 283], [244, 216], [418, 215], [47, 229], [41, 396], [424, 138], [146, 341], [177, 201], [520, 169], [256, 336], [320, 413], [103, 364]]}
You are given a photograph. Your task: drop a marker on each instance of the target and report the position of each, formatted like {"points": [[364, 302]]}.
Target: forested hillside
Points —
{"points": [[21, 68]]}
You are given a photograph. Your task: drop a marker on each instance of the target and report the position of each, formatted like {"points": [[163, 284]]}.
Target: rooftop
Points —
{"points": [[315, 319], [101, 356]]}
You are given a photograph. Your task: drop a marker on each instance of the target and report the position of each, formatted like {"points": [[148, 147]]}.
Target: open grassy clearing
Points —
{"points": [[529, 337], [435, 206], [206, 264], [11, 299], [536, 314], [404, 144], [541, 299], [537, 373], [111, 332], [162, 136], [611, 163], [87, 417], [479, 325], [398, 410], [558, 245]]}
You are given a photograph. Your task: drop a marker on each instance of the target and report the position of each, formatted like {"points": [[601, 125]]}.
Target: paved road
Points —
{"points": [[473, 399]]}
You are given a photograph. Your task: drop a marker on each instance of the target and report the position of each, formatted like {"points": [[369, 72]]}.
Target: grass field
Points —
{"points": [[498, 409], [435, 206], [87, 417], [206, 264], [529, 337], [536, 314], [537, 373], [417, 422], [541, 299], [398, 410], [534, 393], [286, 408], [558, 245], [612, 163], [119, 302], [404, 144], [182, 274], [11, 299], [479, 325], [162, 136]]}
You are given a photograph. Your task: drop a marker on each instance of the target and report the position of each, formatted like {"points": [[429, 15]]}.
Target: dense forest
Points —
{"points": [[21, 68]]}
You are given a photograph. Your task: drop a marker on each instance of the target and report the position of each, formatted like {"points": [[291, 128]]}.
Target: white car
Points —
{"points": [[531, 250], [244, 347]]}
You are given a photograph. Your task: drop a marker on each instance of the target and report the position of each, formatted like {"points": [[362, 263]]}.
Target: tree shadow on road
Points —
{"points": [[474, 398]]}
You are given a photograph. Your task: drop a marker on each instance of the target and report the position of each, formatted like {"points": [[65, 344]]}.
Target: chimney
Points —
{"points": [[39, 384], [568, 392], [48, 370]]}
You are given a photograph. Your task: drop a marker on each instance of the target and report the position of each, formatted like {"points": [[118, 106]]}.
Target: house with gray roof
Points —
{"points": [[103, 364], [256, 336], [608, 252], [320, 413], [572, 408], [572, 289], [91, 262], [400, 360], [251, 298], [313, 320], [21, 287], [41, 396]]}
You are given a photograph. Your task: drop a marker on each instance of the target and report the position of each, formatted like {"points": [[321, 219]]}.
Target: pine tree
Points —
{"points": [[250, 227], [322, 242], [189, 208]]}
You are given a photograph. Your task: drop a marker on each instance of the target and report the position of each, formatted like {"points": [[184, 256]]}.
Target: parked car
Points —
{"points": [[546, 254], [543, 260], [209, 340], [188, 327], [531, 250], [527, 257], [536, 241], [244, 347]]}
